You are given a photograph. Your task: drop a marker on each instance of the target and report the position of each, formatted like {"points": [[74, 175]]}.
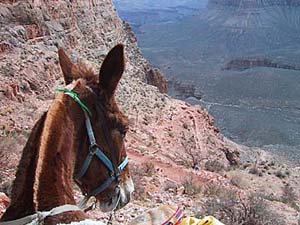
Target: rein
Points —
{"points": [[39, 217], [94, 150]]}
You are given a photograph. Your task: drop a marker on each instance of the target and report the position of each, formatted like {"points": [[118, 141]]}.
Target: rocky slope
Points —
{"points": [[173, 146]]}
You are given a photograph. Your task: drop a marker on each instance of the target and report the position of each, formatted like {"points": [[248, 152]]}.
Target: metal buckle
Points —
{"points": [[93, 148], [112, 174], [116, 175], [77, 181]]}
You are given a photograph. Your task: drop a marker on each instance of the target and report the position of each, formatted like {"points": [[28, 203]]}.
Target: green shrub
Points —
{"points": [[190, 188], [280, 174], [214, 166], [255, 170], [231, 209]]}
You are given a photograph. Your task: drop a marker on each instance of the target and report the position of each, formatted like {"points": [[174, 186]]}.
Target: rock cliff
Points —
{"points": [[244, 64], [156, 78], [32, 31]]}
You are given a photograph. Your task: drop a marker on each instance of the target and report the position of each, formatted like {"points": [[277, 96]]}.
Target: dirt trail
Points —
{"points": [[173, 171]]}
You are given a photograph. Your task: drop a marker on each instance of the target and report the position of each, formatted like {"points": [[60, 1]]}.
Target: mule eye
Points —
{"points": [[123, 133]]}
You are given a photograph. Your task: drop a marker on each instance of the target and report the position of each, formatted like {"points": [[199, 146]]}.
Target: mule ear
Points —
{"points": [[112, 69], [66, 66]]}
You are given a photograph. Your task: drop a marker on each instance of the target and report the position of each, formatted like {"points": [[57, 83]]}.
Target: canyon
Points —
{"points": [[173, 146], [241, 59]]}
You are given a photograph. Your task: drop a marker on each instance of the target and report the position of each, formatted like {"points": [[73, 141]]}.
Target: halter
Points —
{"points": [[94, 150]]}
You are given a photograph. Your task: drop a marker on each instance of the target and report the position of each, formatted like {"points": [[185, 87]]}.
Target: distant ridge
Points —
{"points": [[252, 3]]}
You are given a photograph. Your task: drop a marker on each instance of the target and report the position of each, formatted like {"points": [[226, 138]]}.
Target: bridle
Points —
{"points": [[94, 150]]}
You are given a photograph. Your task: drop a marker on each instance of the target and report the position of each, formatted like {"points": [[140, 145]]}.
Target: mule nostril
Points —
{"points": [[128, 197]]}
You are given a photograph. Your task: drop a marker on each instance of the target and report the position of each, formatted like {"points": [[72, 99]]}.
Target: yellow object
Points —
{"points": [[207, 220]]}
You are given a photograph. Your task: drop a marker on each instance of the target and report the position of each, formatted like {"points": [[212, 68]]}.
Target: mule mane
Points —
{"points": [[48, 137], [81, 70], [22, 189]]}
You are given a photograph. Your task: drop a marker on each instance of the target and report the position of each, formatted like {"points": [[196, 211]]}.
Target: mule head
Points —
{"points": [[109, 125]]}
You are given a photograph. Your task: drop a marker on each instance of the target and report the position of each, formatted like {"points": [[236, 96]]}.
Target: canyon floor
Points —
{"points": [[241, 63]]}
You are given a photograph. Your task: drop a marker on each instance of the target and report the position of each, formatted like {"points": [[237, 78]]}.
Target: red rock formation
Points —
{"points": [[156, 78], [4, 47], [243, 64], [4, 202]]}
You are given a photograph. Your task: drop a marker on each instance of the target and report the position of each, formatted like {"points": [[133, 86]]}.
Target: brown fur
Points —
{"points": [[51, 155]]}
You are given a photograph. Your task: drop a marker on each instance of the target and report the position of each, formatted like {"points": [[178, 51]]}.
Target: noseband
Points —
{"points": [[94, 150]]}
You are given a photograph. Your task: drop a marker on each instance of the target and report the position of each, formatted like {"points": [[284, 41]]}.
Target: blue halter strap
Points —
{"points": [[94, 150]]}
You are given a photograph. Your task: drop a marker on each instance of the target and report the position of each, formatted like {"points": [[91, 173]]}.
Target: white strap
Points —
{"points": [[40, 216]]}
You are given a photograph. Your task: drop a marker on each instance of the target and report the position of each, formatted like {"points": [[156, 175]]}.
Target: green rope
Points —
{"points": [[74, 95]]}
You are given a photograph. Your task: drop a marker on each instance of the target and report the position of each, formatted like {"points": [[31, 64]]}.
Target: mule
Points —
{"points": [[81, 136]]}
